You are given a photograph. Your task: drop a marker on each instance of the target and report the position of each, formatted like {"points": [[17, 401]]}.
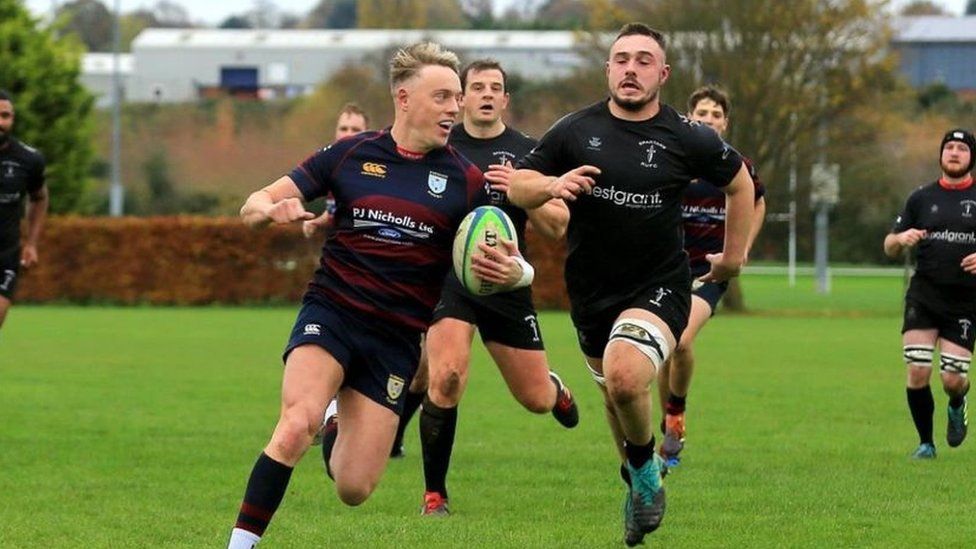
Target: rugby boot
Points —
{"points": [[645, 503], [435, 505], [565, 410], [925, 450], [958, 424], [674, 439]]}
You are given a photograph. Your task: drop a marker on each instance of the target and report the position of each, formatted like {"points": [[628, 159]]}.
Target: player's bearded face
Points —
{"points": [[433, 106], [636, 71], [955, 159], [6, 120]]}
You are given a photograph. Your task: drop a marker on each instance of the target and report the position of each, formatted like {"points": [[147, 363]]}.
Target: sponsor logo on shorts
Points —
{"points": [[374, 169], [534, 326], [394, 387], [313, 329], [659, 295], [8, 277], [964, 324]]}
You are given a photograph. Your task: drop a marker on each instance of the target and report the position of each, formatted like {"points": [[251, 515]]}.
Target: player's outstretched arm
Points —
{"points": [[279, 202], [550, 219], [894, 243], [740, 199], [531, 189]]}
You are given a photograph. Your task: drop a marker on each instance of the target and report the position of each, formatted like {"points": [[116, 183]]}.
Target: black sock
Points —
{"points": [[958, 399], [437, 427], [328, 443], [265, 488], [637, 455], [922, 406], [676, 404], [410, 404]]}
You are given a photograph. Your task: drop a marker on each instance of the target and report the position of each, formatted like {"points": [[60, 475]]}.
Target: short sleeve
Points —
{"points": [[711, 158], [754, 174], [36, 180], [907, 219], [314, 175]]}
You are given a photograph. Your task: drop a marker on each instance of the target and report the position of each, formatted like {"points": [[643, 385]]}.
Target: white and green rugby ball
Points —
{"points": [[486, 224]]}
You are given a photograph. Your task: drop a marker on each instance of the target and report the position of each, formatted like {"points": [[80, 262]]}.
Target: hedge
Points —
{"points": [[187, 260]]}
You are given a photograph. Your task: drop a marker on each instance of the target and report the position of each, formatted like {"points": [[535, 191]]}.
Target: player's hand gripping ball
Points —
{"points": [[486, 224]]}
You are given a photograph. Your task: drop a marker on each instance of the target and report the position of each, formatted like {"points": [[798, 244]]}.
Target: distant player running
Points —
{"points": [[21, 178], [401, 194], [623, 164], [703, 213], [939, 219], [507, 321]]}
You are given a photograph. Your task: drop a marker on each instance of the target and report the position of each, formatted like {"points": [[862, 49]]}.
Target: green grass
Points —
{"points": [[137, 427]]}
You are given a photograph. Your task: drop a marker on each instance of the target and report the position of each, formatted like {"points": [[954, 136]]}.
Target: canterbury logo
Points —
{"points": [[374, 169]]}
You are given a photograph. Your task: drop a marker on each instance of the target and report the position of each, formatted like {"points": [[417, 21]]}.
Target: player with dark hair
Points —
{"points": [[939, 219], [401, 194], [703, 213], [21, 176], [622, 165], [507, 321]]}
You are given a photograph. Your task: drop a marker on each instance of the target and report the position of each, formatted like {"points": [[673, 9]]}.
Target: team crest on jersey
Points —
{"points": [[968, 207], [594, 144], [394, 386], [8, 169], [436, 182], [652, 148], [504, 157]]}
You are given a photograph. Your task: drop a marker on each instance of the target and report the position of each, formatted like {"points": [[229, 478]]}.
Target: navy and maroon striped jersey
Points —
{"points": [[703, 214], [394, 223]]}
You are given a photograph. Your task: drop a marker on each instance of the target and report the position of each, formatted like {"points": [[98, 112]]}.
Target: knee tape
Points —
{"points": [[919, 355], [646, 337], [955, 364], [597, 376]]}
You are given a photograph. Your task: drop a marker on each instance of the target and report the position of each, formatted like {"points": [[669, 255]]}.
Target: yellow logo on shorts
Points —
{"points": [[394, 386], [374, 169]]}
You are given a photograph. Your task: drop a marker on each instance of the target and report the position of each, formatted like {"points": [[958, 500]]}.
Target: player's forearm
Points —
{"points": [[529, 189], [758, 216], [551, 219], [740, 200], [254, 212], [892, 248], [36, 215]]}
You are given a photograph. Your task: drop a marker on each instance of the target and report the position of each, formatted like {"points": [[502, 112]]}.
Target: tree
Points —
{"points": [[235, 22], [168, 13], [922, 7], [89, 20], [332, 14], [41, 71], [971, 7], [410, 14]]}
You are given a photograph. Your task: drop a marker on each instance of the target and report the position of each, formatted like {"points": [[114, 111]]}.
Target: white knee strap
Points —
{"points": [[919, 355], [597, 376], [955, 364], [644, 336]]}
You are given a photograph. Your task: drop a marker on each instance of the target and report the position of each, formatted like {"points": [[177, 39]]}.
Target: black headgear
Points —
{"points": [[963, 136]]}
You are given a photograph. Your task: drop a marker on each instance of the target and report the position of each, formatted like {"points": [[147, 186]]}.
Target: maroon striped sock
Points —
{"points": [[265, 488]]}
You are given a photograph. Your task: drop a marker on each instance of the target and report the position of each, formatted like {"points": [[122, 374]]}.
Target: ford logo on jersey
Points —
{"points": [[390, 233]]}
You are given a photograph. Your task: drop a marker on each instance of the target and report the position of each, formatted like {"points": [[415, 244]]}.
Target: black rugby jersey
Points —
{"points": [[395, 220], [949, 217], [21, 174], [703, 213], [509, 146], [626, 235]]}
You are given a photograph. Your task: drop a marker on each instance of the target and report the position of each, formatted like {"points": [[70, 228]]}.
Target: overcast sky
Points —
{"points": [[215, 11]]}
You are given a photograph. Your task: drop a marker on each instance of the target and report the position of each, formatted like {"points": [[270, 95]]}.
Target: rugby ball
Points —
{"points": [[486, 224]]}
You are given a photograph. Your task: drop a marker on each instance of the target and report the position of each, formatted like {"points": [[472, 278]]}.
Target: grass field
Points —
{"points": [[131, 427]]}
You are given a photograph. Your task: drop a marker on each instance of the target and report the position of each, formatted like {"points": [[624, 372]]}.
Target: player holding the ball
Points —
{"points": [[506, 321], [622, 166], [400, 195]]}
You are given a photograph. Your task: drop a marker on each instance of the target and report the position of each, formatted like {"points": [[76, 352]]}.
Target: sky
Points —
{"points": [[214, 11]]}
